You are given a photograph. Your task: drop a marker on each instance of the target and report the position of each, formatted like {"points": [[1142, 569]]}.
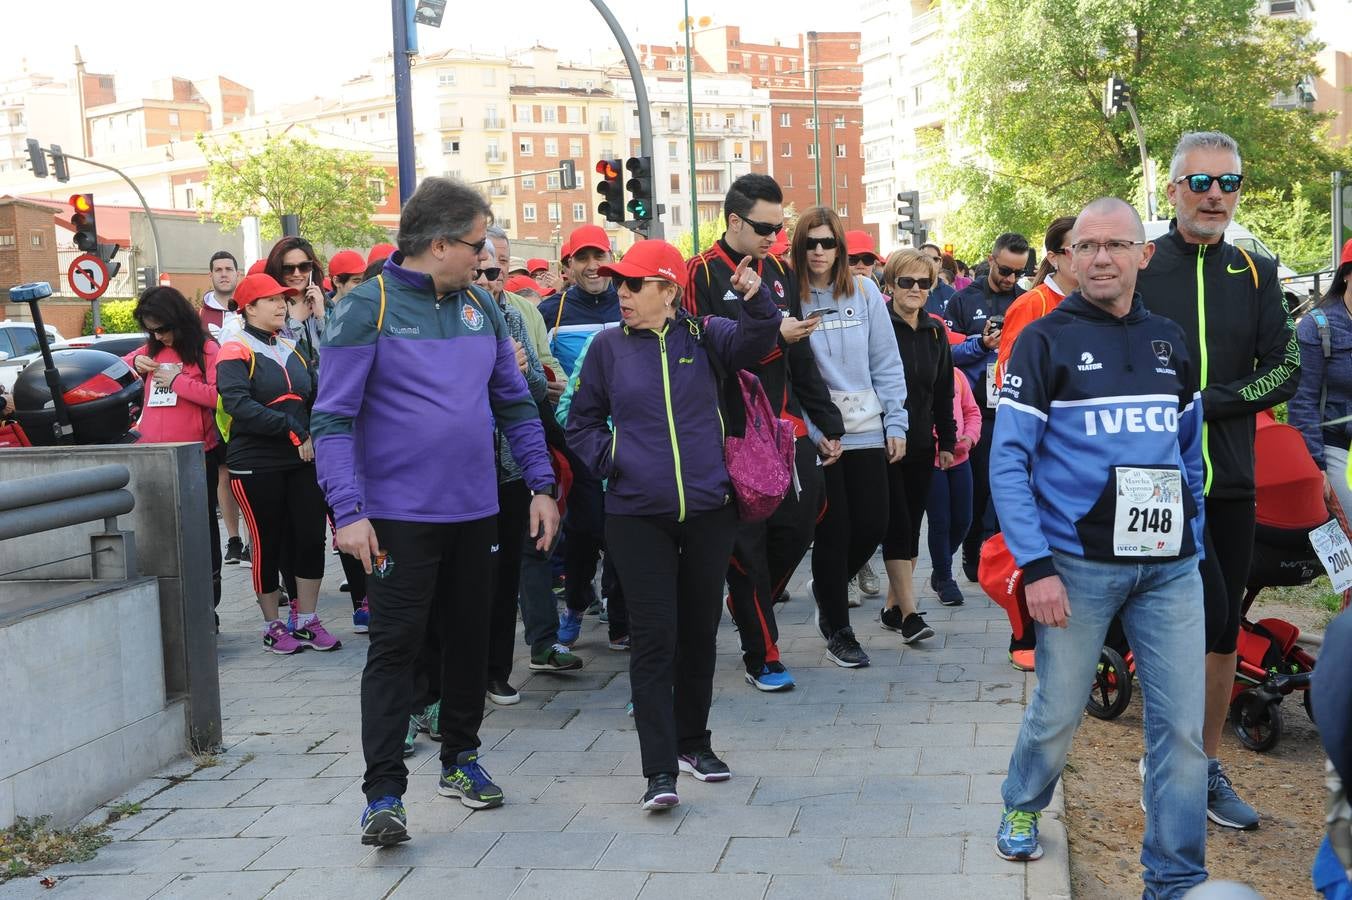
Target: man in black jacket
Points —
{"points": [[766, 553], [1230, 305]]}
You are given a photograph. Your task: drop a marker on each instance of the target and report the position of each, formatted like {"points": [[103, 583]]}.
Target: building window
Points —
{"points": [[35, 238], [673, 151], [528, 212], [675, 215], [528, 183], [523, 113], [552, 182], [551, 147], [840, 151], [811, 151], [575, 147], [190, 198], [755, 123], [490, 77], [843, 212], [729, 121], [675, 182], [574, 115], [737, 151], [785, 120], [376, 188], [840, 121], [446, 78], [579, 212], [173, 118], [526, 147], [556, 212], [450, 145], [758, 153], [786, 149], [6, 242], [551, 114]]}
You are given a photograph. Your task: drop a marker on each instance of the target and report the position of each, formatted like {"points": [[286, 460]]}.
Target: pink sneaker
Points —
{"points": [[315, 636], [278, 640]]}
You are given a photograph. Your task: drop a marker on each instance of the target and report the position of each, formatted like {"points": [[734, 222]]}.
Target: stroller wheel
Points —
{"points": [[1257, 721], [1111, 692]]}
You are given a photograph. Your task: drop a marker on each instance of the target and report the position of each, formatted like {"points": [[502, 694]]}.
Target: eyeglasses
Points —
{"points": [[162, 329], [764, 229], [1006, 271], [1065, 251], [303, 268], [857, 258], [1201, 183], [826, 243], [634, 284], [492, 274], [477, 246], [1090, 249], [906, 283]]}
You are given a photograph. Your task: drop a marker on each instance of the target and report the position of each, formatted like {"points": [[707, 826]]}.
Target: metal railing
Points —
{"points": [[41, 503], [496, 124]]}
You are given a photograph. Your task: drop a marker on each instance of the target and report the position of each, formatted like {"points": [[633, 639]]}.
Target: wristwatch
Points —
{"points": [[551, 491]]}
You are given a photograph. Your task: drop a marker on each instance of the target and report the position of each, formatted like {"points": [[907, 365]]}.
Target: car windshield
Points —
{"points": [[1254, 246]]}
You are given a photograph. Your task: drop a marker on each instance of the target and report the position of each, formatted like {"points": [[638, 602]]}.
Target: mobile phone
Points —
{"points": [[995, 323], [827, 311]]}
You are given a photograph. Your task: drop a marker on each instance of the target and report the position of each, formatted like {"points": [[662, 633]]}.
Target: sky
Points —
{"points": [[150, 39]]}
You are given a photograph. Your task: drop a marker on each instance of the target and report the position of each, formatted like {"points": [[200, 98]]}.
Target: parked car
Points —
{"points": [[19, 347], [116, 344]]}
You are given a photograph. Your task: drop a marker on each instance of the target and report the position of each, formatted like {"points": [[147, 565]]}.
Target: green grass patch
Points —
{"points": [[28, 846]]}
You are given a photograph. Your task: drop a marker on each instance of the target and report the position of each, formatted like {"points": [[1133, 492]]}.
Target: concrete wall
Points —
{"points": [[186, 244], [84, 714]]}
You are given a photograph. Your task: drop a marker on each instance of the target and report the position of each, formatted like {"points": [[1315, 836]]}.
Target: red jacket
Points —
{"points": [[192, 417]]}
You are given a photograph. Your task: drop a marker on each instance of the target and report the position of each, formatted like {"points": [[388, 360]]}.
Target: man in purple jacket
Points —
{"points": [[418, 367]]}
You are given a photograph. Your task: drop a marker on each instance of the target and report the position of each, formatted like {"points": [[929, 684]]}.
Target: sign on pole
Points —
{"points": [[87, 276]]}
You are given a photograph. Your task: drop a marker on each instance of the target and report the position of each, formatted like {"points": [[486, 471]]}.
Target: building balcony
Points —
{"points": [[926, 24], [874, 207], [605, 126], [495, 158], [711, 163], [498, 190], [452, 123], [495, 124]]}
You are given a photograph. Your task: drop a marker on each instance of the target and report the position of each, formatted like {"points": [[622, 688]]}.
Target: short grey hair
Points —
{"points": [[441, 208], [1199, 140], [497, 234]]}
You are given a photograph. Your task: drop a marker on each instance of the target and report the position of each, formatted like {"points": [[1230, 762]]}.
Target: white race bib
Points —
{"points": [[160, 396], [1148, 516], [1334, 552], [992, 387]]}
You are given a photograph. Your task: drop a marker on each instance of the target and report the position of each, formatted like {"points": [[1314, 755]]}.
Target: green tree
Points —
{"points": [[1029, 90], [708, 233], [329, 190], [1292, 226]]}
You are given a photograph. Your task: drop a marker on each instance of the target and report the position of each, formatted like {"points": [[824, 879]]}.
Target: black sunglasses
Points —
{"points": [[303, 268], [492, 274], [857, 258], [163, 329], [477, 246], [826, 243], [1201, 183], [635, 283], [1006, 271], [905, 282], [764, 229]]}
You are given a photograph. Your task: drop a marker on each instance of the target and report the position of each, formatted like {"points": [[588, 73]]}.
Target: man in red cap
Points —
{"points": [[379, 252], [862, 256], [345, 270], [535, 265]]}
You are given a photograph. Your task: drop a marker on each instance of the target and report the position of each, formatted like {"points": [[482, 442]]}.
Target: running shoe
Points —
{"points": [[234, 552], [316, 636], [949, 592], [970, 569], [844, 650], [278, 639], [245, 558], [1023, 660], [470, 782], [620, 643], [555, 658], [661, 793], [344, 588], [411, 736], [782, 597], [852, 594], [1223, 805], [912, 628], [361, 617], [768, 680], [867, 580], [502, 693], [1017, 838], [629, 709], [570, 626], [704, 765], [384, 823], [429, 720], [595, 608]]}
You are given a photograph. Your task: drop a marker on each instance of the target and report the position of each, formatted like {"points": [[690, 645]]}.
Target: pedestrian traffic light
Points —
{"points": [[567, 175], [36, 160], [612, 189], [145, 279], [908, 211], [83, 222], [640, 187], [106, 253], [1116, 96], [60, 166]]}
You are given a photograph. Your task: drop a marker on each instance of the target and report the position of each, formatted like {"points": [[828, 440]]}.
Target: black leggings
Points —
{"points": [[854, 524], [1225, 570], [908, 484], [284, 511]]}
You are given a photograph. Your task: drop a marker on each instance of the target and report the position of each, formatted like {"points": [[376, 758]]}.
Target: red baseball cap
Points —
{"points": [[566, 251], [858, 243], [588, 236], [257, 286], [347, 262], [781, 244], [257, 267], [517, 282], [648, 259], [536, 264], [379, 251], [1347, 254]]}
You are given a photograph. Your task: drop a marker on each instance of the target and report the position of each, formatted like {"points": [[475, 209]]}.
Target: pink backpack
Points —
{"points": [[758, 448]]}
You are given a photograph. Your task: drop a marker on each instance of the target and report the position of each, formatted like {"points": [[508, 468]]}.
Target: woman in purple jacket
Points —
{"points": [[646, 418]]}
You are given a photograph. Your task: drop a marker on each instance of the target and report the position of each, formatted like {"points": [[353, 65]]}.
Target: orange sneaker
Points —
{"points": [[1021, 660]]}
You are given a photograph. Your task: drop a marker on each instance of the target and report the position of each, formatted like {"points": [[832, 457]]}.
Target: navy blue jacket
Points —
{"points": [[966, 313]]}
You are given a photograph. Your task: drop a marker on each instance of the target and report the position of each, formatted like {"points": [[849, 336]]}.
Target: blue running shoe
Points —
{"points": [[570, 626], [1223, 805], [470, 782], [1017, 838], [384, 823], [361, 618], [770, 680]]}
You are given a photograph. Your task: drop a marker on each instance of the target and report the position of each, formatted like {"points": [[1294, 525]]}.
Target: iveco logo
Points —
{"points": [[1132, 419], [1087, 363]]}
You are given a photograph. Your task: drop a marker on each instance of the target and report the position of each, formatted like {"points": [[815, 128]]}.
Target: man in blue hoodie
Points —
{"points": [[1096, 472]]}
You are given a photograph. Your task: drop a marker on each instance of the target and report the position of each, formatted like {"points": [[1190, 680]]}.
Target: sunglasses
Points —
{"points": [[906, 283], [477, 246], [764, 229], [1200, 183], [303, 268], [858, 258], [163, 329], [826, 243], [634, 284], [1006, 271], [492, 274]]}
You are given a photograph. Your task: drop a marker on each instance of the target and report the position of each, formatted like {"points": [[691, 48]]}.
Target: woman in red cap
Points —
{"points": [[646, 417], [266, 387]]}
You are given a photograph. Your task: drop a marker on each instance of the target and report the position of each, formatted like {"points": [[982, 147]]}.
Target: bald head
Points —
{"points": [[1112, 206], [1110, 249]]}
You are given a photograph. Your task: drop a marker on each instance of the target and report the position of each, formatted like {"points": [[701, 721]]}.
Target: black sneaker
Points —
{"points": [[844, 650], [782, 597], [661, 793], [949, 592], [915, 629], [969, 568], [234, 552], [502, 693], [704, 765], [891, 618], [245, 559]]}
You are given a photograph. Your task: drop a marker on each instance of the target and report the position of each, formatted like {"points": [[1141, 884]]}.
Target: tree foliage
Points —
{"points": [[1029, 76], [329, 190]]}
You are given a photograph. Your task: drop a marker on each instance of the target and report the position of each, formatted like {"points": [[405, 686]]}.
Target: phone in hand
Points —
{"points": [[825, 311]]}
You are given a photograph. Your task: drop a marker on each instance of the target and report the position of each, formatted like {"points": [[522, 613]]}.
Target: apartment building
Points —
{"points": [[38, 106]]}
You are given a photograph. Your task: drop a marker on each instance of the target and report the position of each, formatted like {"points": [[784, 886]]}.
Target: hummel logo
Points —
{"points": [[1240, 271], [1087, 363]]}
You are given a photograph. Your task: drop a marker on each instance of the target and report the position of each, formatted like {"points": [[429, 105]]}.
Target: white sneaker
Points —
{"points": [[868, 581], [852, 597]]}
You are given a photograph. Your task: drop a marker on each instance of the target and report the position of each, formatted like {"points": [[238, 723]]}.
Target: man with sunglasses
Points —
{"points": [[766, 553], [1230, 305], [978, 312]]}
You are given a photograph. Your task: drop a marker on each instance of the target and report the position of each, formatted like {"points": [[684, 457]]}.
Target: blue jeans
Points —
{"points": [[950, 514], [1161, 609]]}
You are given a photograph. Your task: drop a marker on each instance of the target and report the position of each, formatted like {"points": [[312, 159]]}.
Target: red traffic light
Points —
{"points": [[81, 202], [608, 171]]}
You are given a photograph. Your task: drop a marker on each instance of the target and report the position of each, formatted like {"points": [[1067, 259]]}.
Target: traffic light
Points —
{"points": [[145, 279], [83, 222], [36, 159], [612, 189], [60, 166], [640, 187], [1116, 96], [908, 212], [567, 175], [106, 253]]}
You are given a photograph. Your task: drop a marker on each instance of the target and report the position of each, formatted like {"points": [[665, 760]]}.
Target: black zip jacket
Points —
{"points": [[267, 387], [789, 372], [966, 313], [928, 362], [1239, 331]]}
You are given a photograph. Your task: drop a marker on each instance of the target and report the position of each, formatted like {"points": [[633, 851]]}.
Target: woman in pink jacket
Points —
{"points": [[950, 498], [178, 365]]}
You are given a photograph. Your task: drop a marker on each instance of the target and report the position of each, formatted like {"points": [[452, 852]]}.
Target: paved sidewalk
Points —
{"points": [[876, 782]]}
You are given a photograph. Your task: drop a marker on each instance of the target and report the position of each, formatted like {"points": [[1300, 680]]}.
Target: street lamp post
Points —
{"points": [[816, 117]]}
